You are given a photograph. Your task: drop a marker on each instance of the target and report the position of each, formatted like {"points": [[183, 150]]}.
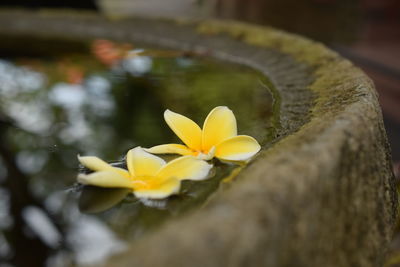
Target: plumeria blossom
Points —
{"points": [[218, 138], [148, 176]]}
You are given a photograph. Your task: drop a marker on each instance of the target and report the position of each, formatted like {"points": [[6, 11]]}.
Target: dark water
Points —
{"points": [[58, 100]]}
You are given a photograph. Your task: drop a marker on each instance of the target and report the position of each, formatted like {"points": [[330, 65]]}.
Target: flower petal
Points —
{"points": [[105, 179], [97, 164], [94, 163], [141, 163], [208, 156], [241, 147], [219, 125], [170, 149], [186, 129], [165, 189], [185, 168]]}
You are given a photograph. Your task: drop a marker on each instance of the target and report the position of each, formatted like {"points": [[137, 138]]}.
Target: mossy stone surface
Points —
{"points": [[322, 195]]}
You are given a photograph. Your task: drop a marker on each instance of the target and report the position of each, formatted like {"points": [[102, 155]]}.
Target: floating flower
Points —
{"points": [[218, 138], [148, 176]]}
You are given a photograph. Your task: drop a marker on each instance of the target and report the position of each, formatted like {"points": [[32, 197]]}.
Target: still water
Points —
{"points": [[103, 98]]}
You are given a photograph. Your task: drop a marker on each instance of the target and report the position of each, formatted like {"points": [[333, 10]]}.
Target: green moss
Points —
{"points": [[329, 70]]}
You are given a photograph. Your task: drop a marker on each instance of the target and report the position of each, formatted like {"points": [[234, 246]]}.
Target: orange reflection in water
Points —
{"points": [[72, 73], [108, 52]]}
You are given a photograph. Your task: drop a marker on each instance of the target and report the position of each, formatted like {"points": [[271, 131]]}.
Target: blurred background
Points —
{"points": [[365, 31]]}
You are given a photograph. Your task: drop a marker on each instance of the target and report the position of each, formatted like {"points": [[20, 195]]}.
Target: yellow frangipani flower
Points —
{"points": [[148, 176], [218, 138]]}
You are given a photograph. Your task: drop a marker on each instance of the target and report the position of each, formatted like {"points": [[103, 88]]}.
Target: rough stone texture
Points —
{"points": [[321, 195]]}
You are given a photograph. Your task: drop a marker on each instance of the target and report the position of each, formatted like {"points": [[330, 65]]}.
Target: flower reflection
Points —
{"points": [[95, 199]]}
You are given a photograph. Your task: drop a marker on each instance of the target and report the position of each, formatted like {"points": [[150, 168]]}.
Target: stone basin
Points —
{"points": [[321, 194]]}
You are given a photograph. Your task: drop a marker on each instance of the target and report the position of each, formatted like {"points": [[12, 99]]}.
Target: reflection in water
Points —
{"points": [[92, 241], [42, 226], [53, 108], [96, 199]]}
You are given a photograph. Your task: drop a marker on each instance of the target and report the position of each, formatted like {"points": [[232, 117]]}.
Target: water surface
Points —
{"points": [[60, 99]]}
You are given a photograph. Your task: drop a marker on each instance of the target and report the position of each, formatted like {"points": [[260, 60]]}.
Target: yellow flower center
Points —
{"points": [[197, 152], [146, 182]]}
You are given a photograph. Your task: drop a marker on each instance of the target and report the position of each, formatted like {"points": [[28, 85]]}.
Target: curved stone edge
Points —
{"points": [[270, 217], [323, 196]]}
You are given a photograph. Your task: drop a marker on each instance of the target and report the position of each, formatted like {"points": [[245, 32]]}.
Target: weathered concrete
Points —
{"points": [[321, 195]]}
